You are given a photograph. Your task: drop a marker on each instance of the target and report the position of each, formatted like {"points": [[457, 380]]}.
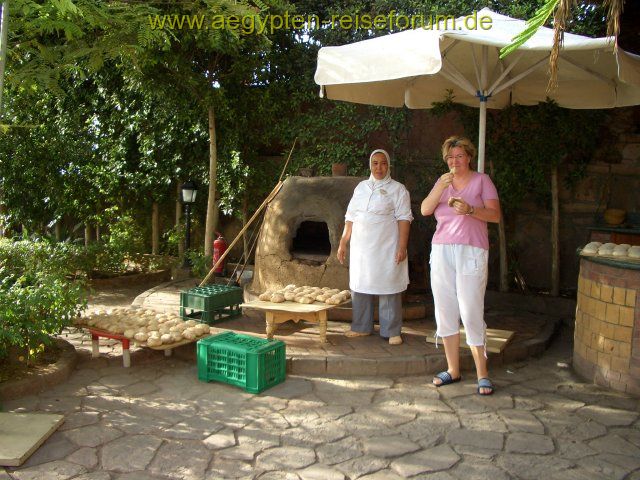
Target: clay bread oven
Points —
{"points": [[301, 233]]}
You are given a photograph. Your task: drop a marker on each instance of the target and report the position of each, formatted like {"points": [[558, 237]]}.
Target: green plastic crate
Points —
{"points": [[252, 363], [211, 303]]}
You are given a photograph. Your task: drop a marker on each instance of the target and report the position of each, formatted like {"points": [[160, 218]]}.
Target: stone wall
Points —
{"points": [[607, 333]]}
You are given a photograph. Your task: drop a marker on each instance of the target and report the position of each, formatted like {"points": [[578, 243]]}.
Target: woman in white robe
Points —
{"points": [[377, 227]]}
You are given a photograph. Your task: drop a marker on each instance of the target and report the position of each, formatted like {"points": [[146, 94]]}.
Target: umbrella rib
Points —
{"points": [[483, 69], [597, 75], [521, 75], [446, 50], [475, 66], [456, 77], [505, 73]]}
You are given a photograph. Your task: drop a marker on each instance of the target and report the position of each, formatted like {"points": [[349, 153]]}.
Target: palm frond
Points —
{"points": [[533, 24], [560, 19], [615, 8]]}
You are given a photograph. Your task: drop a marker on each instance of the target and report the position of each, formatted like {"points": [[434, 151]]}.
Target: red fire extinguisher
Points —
{"points": [[219, 247]]}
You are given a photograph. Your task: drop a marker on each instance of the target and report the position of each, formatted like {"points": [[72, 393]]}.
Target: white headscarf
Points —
{"points": [[373, 181]]}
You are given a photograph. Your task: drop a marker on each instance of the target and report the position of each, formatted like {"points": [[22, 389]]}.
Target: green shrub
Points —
{"points": [[173, 238], [38, 298], [200, 264], [125, 236], [26, 257], [102, 259]]}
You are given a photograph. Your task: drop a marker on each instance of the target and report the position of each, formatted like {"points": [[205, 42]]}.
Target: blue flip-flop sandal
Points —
{"points": [[446, 378], [485, 383]]}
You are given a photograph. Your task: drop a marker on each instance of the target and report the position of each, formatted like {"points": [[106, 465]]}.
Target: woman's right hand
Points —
{"points": [[342, 252], [446, 179]]}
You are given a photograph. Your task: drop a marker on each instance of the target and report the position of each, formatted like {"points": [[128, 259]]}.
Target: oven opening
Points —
{"points": [[311, 243]]}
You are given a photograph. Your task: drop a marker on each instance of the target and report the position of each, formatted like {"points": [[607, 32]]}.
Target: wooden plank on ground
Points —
{"points": [[496, 339], [22, 433]]}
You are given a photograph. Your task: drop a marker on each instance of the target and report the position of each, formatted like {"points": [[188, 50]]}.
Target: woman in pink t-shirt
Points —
{"points": [[463, 202]]}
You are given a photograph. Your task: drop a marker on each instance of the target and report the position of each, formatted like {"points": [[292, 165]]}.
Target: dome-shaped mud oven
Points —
{"points": [[301, 234]]}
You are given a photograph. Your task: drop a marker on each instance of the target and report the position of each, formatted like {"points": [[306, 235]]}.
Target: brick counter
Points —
{"points": [[606, 347]]}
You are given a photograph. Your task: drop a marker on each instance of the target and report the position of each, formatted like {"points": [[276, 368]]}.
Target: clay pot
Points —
{"points": [[614, 216], [339, 170]]}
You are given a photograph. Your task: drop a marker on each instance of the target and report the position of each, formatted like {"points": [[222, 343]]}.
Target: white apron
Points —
{"points": [[374, 244]]}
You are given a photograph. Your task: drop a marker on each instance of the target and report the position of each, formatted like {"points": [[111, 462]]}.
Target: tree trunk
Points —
{"points": [[178, 218], [58, 231], [4, 32], [3, 227], [155, 229], [87, 234], [212, 206], [502, 242], [98, 233], [555, 234], [504, 267]]}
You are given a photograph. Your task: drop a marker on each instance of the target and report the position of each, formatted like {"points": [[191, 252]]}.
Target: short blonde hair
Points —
{"points": [[462, 142]]}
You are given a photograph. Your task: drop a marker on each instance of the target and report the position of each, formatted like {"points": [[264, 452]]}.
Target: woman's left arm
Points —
{"points": [[490, 212], [403, 240]]}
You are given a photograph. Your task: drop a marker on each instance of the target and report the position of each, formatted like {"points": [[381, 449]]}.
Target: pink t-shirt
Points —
{"points": [[462, 229]]}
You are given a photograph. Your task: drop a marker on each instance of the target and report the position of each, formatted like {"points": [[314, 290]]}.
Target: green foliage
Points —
{"points": [[172, 239], [533, 24], [200, 264], [586, 19], [523, 142], [27, 258], [125, 236], [343, 133], [37, 299]]}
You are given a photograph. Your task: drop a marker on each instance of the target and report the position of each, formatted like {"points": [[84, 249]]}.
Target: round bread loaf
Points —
{"points": [[277, 298]]}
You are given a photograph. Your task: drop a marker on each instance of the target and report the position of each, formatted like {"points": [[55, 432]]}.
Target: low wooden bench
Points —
{"points": [[277, 313]]}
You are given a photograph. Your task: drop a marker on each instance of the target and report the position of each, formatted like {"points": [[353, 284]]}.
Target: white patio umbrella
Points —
{"points": [[416, 68]]}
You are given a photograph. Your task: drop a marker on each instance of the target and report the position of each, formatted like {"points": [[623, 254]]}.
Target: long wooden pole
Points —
{"points": [[270, 197], [502, 242], [284, 169], [273, 193]]}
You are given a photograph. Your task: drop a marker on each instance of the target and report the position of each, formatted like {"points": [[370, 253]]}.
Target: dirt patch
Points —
{"points": [[17, 369], [62, 358]]}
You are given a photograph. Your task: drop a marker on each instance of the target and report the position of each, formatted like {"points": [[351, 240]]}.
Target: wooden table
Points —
{"points": [[277, 313], [96, 333]]}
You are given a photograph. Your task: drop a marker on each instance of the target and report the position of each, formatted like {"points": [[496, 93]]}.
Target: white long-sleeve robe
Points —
{"points": [[375, 212]]}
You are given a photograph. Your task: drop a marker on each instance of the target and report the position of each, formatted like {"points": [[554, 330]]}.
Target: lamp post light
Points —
{"points": [[188, 192]]}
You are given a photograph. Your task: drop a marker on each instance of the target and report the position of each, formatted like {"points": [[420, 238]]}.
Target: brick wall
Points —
{"points": [[607, 334]]}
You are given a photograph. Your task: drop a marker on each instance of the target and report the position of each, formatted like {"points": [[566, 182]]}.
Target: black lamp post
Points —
{"points": [[188, 192]]}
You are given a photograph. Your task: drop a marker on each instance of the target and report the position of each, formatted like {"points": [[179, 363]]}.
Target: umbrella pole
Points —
{"points": [[482, 133], [482, 95]]}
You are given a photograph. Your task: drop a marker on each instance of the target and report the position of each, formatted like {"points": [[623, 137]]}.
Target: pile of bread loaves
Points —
{"points": [[611, 249], [145, 327], [306, 294]]}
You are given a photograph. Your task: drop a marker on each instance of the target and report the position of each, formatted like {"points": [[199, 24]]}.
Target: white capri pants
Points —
{"points": [[458, 282]]}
